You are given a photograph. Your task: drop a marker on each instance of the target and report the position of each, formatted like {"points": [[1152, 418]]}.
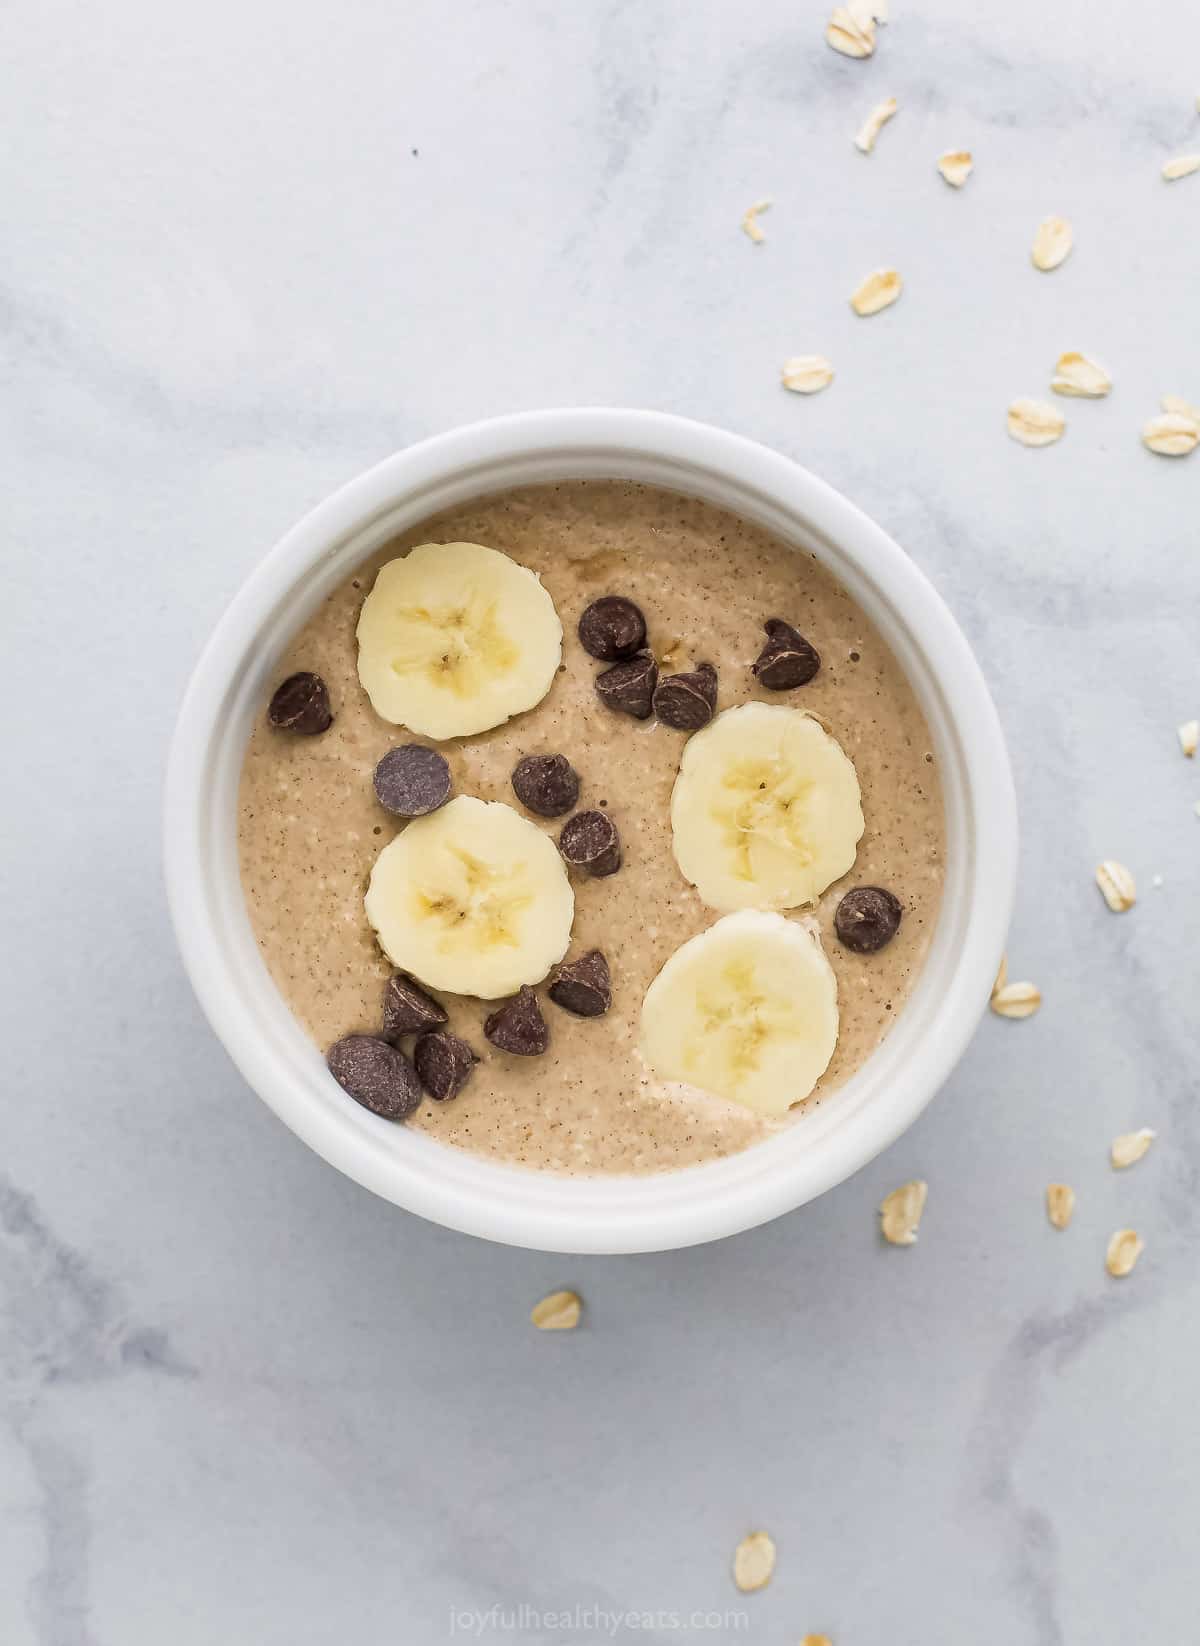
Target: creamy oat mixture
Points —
{"points": [[310, 826]]}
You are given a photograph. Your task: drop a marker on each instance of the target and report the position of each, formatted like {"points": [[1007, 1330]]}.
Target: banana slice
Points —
{"points": [[747, 1010], [455, 638], [766, 810], [472, 898]]}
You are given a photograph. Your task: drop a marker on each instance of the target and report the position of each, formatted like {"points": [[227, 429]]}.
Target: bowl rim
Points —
{"points": [[515, 1205]]}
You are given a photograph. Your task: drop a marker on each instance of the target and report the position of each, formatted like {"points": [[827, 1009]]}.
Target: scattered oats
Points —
{"points": [[1075, 374], [1001, 976], [1117, 884], [1129, 1148], [853, 36], [1051, 243], [807, 373], [1189, 737], [1060, 1204], [557, 1313], [874, 124], [1124, 1249], [1017, 1000], [750, 224], [753, 1562], [1176, 403], [868, 11], [1034, 423], [1171, 435], [1182, 166], [956, 166], [901, 1213], [878, 291]]}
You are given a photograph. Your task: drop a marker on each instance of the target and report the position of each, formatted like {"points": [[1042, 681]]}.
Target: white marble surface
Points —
{"points": [[243, 1401]]}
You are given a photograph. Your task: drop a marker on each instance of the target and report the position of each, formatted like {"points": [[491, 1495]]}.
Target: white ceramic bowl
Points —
{"points": [[527, 1208]]}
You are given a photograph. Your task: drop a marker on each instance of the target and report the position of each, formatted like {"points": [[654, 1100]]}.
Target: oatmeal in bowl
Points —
{"points": [[700, 706], [584, 825]]}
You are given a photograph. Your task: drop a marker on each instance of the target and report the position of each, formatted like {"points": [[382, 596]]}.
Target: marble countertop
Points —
{"points": [[249, 250]]}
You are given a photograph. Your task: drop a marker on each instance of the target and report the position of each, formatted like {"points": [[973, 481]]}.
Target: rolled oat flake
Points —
{"points": [[1124, 1249], [560, 1312], [754, 1562]]}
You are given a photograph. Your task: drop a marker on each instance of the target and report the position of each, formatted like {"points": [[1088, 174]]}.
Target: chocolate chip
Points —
{"points": [[301, 705], [590, 841], [412, 780], [375, 1074], [547, 784], [583, 986], [686, 702], [518, 1026], [629, 687], [612, 627], [867, 918], [407, 1009], [444, 1063], [786, 660]]}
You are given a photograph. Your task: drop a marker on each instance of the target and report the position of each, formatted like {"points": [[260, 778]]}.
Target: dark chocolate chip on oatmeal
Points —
{"points": [[412, 780], [629, 687], [375, 1074], [443, 1063], [867, 919], [547, 784], [582, 986], [301, 705], [612, 627], [688, 701], [786, 660], [407, 1009], [518, 1026], [590, 841]]}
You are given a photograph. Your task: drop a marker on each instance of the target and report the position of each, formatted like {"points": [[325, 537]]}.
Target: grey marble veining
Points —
{"points": [[249, 250]]}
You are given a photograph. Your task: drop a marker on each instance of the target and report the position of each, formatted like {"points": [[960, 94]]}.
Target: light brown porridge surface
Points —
{"points": [[310, 826]]}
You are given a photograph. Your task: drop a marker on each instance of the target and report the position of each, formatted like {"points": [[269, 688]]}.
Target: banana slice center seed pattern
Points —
{"points": [[768, 803], [738, 1012], [477, 906], [457, 648]]}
